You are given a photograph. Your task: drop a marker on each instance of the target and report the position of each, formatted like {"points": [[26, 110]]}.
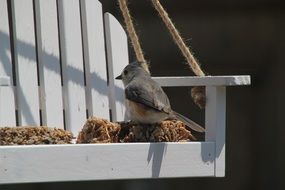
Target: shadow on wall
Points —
{"points": [[27, 51]]}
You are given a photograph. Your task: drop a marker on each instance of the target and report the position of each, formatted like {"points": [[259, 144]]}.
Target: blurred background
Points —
{"points": [[237, 37]]}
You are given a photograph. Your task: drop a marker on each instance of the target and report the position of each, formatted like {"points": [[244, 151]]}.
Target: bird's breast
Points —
{"points": [[142, 114]]}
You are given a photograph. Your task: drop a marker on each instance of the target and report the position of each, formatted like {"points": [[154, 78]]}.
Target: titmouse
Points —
{"points": [[146, 102]]}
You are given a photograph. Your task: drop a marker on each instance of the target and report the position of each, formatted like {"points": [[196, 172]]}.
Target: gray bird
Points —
{"points": [[146, 102]]}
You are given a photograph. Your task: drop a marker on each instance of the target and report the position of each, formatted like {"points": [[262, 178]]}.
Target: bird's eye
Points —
{"points": [[125, 72]]}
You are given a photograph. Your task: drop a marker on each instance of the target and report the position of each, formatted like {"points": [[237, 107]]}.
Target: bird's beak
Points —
{"points": [[119, 77]]}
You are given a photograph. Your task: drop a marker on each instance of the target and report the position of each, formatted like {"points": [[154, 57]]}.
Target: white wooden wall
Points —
{"points": [[59, 62]]}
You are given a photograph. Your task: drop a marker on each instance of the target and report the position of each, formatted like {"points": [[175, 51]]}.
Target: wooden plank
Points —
{"points": [[95, 60], [117, 53], [203, 81], [51, 163], [5, 46], [7, 100], [72, 64], [25, 61], [215, 118], [49, 63], [7, 106]]}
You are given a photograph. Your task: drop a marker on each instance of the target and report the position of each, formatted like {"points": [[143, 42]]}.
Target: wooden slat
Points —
{"points": [[72, 64], [7, 100], [95, 61], [7, 106], [215, 118], [203, 81], [117, 52], [49, 63], [5, 47], [20, 164], [25, 60]]}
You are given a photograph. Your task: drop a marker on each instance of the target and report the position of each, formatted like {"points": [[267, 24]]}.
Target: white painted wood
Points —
{"points": [[7, 106], [204, 81], [215, 118], [72, 64], [117, 52], [49, 63], [5, 46], [95, 60], [20, 164], [25, 60], [7, 101]]}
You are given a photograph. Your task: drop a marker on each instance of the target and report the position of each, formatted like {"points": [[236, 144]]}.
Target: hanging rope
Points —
{"points": [[192, 62], [132, 34], [197, 93]]}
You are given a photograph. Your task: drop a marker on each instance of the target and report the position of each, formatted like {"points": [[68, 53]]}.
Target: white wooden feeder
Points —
{"points": [[82, 49]]}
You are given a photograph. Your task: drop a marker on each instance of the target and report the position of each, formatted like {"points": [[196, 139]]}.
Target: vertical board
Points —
{"points": [[49, 63], [117, 51], [5, 47], [7, 106], [72, 64], [95, 61], [215, 124], [7, 101], [25, 60]]}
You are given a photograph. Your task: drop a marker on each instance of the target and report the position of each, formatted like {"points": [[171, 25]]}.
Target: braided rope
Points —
{"points": [[192, 62], [132, 34], [198, 93]]}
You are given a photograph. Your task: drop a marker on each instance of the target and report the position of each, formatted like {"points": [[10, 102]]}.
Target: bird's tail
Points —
{"points": [[188, 122]]}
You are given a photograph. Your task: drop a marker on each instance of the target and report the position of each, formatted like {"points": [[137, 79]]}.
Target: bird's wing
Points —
{"points": [[150, 94]]}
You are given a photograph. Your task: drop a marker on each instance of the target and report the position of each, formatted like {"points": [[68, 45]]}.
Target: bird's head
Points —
{"points": [[131, 71]]}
